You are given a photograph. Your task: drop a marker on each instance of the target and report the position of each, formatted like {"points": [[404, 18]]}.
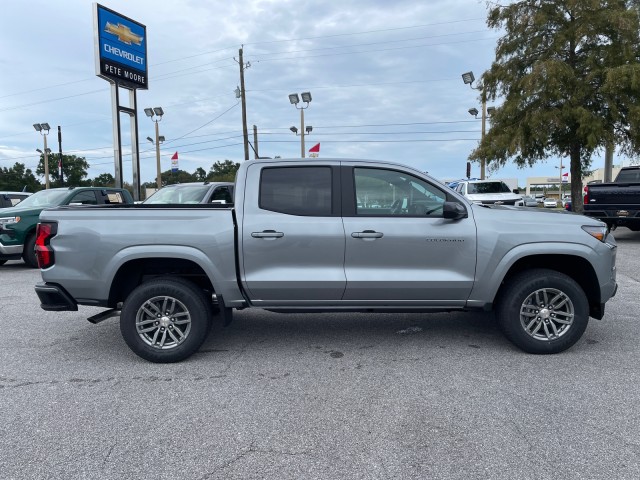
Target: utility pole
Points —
{"points": [[60, 161], [244, 104], [255, 141]]}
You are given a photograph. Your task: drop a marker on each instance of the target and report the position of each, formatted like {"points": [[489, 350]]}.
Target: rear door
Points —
{"points": [[402, 251], [292, 235]]}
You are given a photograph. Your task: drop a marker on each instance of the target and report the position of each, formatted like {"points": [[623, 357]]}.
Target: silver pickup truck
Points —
{"points": [[326, 235]]}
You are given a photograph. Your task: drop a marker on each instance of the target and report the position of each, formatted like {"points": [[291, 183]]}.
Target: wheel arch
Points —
{"points": [[136, 271], [574, 266]]}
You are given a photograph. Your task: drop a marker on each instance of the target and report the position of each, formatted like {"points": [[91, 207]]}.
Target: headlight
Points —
{"points": [[599, 232], [9, 220]]}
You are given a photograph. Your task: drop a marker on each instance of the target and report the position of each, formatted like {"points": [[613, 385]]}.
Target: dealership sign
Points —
{"points": [[121, 48]]}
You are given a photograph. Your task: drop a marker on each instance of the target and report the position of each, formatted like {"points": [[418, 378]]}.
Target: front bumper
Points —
{"points": [[54, 298], [11, 250]]}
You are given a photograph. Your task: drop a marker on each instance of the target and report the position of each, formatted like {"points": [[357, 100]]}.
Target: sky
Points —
{"points": [[385, 79]]}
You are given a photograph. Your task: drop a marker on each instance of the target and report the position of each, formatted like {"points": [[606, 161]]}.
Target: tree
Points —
{"points": [[17, 178], [74, 169], [104, 180], [223, 171], [200, 175], [569, 76], [168, 177]]}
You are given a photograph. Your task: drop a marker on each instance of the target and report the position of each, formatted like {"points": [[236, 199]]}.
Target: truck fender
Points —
{"points": [[169, 251], [486, 291]]}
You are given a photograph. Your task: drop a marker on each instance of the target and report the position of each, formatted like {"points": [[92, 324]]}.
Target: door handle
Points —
{"points": [[367, 234], [267, 234]]}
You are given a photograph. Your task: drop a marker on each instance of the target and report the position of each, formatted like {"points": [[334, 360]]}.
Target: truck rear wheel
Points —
{"points": [[543, 311], [165, 320]]}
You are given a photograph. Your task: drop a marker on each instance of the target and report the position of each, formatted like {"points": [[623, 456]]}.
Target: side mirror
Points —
{"points": [[454, 210], [516, 191]]}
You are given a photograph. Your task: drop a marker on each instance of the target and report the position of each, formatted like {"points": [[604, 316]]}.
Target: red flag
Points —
{"points": [[315, 149]]}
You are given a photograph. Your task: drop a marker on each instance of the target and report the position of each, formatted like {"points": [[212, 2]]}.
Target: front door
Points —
{"points": [[399, 248]]}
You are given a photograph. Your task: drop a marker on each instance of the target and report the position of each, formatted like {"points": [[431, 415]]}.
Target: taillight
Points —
{"points": [[44, 253], [586, 195]]}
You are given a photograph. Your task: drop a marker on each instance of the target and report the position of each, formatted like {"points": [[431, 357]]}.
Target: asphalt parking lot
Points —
{"points": [[327, 396]]}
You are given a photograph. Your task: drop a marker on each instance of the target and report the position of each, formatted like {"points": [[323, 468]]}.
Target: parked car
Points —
{"points": [[11, 199], [453, 184], [18, 224], [527, 201], [567, 205], [193, 193], [550, 203], [488, 192]]}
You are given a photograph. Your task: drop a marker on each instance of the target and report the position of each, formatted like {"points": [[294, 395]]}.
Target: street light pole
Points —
{"points": [[302, 132], [295, 99], [43, 129], [158, 168], [561, 167], [468, 78], [152, 113], [46, 163]]}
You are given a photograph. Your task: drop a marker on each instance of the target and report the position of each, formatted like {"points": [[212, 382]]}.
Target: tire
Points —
{"points": [[178, 333], [29, 252], [543, 311]]}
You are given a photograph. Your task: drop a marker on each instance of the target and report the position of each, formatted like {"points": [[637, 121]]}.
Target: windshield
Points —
{"points": [[179, 195], [44, 198], [488, 187]]}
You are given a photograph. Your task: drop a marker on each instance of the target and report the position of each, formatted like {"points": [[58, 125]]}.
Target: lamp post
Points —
{"points": [[561, 167], [43, 129], [295, 100], [468, 78], [153, 113]]}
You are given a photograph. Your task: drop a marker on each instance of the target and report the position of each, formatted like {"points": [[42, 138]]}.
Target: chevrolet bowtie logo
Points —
{"points": [[124, 33]]}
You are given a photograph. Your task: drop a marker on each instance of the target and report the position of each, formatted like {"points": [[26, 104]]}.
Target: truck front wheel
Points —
{"points": [[543, 311], [165, 320]]}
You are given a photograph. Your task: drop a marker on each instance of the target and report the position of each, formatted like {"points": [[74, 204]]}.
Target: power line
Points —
{"points": [[265, 131], [373, 51], [366, 32], [376, 43]]}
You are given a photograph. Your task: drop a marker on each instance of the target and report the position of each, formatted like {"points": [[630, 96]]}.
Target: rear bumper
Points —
{"points": [[619, 216], [54, 298]]}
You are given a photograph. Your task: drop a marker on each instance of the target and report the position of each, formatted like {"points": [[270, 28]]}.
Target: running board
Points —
{"points": [[102, 316]]}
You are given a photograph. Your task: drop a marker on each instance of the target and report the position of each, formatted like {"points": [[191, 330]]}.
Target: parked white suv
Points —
{"points": [[489, 192]]}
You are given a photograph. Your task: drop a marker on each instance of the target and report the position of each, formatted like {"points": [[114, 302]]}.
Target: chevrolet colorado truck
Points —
{"points": [[616, 203], [18, 224], [298, 240]]}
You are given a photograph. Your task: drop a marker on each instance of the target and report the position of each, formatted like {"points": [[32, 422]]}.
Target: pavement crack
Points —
{"points": [[106, 458]]}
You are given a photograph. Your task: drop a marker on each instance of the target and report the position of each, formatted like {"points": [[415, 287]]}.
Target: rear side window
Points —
{"points": [[88, 197], [296, 190], [221, 195], [114, 197], [628, 176]]}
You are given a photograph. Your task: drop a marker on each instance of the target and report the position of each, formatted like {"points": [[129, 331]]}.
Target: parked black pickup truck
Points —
{"points": [[616, 203]]}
